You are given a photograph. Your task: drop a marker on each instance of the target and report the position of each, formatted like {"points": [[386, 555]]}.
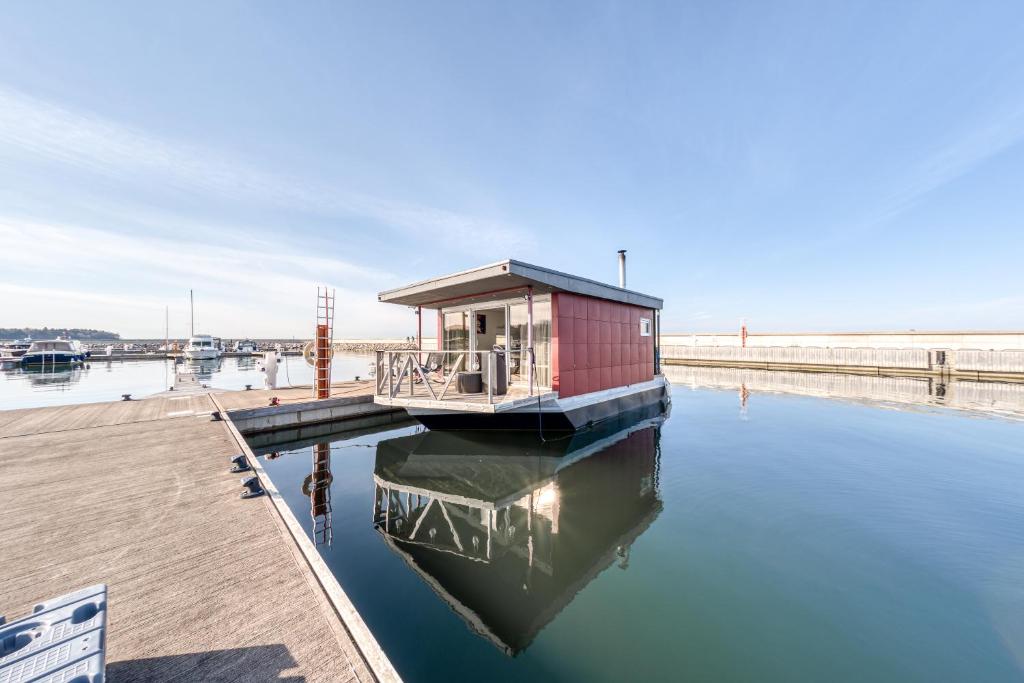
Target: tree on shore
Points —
{"points": [[51, 332]]}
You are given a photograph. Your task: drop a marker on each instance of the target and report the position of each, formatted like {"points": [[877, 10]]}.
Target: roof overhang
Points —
{"points": [[502, 279]]}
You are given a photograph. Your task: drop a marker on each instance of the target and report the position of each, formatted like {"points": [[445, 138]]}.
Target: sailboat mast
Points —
{"points": [[192, 314]]}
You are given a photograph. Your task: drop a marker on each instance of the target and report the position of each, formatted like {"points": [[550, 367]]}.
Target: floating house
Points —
{"points": [[524, 347]]}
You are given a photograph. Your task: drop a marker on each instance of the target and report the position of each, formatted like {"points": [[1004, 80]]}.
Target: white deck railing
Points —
{"points": [[430, 374]]}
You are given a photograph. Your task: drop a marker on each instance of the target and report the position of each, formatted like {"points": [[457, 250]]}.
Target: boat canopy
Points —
{"points": [[483, 283], [52, 345]]}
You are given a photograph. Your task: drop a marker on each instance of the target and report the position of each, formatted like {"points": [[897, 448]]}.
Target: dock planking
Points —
{"points": [[136, 494]]}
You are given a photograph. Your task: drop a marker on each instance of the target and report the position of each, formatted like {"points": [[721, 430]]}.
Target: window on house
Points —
{"points": [[645, 327]]}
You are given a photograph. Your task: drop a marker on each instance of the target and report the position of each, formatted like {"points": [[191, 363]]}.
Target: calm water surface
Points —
{"points": [[101, 380], [750, 536]]}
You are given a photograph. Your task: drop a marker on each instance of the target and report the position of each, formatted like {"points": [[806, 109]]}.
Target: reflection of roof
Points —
{"points": [[484, 281], [474, 467]]}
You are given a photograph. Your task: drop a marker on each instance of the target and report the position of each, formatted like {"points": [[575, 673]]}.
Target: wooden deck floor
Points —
{"points": [[203, 586]]}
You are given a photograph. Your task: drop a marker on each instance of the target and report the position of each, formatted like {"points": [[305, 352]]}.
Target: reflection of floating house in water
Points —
{"points": [[508, 531], [519, 343]]}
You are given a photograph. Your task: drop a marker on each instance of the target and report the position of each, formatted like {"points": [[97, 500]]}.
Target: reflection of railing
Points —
{"points": [[430, 374]]}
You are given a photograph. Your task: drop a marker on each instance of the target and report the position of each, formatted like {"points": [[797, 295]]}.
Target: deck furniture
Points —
{"points": [[470, 383]]}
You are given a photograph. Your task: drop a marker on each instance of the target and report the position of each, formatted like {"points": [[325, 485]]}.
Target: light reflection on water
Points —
{"points": [[106, 380], [754, 535]]}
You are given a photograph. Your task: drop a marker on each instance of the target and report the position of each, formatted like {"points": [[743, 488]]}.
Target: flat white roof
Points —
{"points": [[490, 281]]}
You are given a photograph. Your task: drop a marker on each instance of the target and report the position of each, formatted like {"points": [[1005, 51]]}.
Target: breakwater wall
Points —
{"points": [[371, 345]]}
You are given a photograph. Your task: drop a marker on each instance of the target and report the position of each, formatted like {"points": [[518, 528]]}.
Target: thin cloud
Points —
{"points": [[244, 291], [92, 144]]}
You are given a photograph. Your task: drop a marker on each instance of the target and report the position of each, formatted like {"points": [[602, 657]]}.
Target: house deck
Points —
{"points": [[516, 397]]}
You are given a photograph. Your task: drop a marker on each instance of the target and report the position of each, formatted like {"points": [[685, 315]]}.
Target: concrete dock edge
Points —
{"points": [[371, 651]]}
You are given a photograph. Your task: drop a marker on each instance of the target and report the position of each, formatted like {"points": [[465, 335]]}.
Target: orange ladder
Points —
{"points": [[324, 337]]}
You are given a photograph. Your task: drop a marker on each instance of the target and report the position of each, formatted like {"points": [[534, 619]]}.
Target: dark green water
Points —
{"points": [[800, 540]]}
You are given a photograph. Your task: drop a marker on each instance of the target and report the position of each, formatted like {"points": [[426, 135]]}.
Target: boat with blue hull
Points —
{"points": [[55, 352]]}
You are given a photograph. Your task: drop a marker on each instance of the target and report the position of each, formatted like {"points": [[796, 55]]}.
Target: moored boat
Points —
{"points": [[246, 346], [54, 352], [203, 347], [15, 349]]}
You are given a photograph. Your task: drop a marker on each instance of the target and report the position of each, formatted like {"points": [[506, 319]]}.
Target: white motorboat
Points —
{"points": [[203, 347], [246, 346]]}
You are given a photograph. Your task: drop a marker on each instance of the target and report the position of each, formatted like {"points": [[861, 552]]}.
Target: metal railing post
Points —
{"points": [[490, 377], [391, 375]]}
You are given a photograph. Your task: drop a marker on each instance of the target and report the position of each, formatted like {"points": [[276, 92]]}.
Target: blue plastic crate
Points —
{"points": [[63, 640]]}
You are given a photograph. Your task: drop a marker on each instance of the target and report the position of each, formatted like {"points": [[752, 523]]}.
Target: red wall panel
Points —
{"points": [[597, 345]]}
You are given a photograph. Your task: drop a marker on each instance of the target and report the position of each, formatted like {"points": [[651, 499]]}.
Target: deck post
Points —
{"points": [[391, 374], [529, 338], [419, 328]]}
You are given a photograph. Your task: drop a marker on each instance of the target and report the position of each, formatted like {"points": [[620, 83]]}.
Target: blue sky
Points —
{"points": [[806, 166]]}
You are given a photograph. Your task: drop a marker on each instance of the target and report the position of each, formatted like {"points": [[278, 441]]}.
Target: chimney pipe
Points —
{"points": [[622, 268]]}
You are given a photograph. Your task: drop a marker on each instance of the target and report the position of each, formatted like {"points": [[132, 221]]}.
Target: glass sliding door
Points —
{"points": [[519, 358], [456, 338], [542, 341], [517, 344]]}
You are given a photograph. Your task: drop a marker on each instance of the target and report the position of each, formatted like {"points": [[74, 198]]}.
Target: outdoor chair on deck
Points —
{"points": [[431, 365]]}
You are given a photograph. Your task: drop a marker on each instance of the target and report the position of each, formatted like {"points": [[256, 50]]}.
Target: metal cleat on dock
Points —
{"points": [[239, 463], [252, 487], [215, 416]]}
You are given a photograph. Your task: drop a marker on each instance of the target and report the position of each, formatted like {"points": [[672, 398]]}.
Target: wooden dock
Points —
{"points": [[203, 586]]}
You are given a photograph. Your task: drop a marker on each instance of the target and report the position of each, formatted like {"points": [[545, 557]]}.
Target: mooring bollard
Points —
{"points": [[215, 416], [252, 487], [239, 463], [248, 387], [126, 397]]}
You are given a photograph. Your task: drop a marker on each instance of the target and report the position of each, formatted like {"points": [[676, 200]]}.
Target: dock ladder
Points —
{"points": [[324, 342]]}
